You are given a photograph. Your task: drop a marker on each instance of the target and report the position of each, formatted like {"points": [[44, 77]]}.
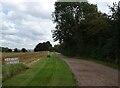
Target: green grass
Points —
{"points": [[46, 72], [106, 63]]}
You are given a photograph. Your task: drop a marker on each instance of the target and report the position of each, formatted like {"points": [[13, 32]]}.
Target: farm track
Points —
{"points": [[88, 73]]}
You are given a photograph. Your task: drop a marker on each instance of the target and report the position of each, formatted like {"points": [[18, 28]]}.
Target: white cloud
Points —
{"points": [[9, 28], [103, 4], [24, 24]]}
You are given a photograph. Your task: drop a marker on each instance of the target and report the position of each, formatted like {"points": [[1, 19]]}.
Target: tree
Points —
{"points": [[45, 46], [57, 48], [115, 22], [5, 49], [83, 31], [16, 50], [68, 16], [23, 50], [9, 50]]}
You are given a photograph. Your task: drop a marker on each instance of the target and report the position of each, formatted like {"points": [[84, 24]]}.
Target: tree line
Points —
{"points": [[6, 49], [45, 46], [82, 30]]}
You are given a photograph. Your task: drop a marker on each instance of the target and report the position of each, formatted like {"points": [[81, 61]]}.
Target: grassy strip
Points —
{"points": [[109, 64], [46, 72], [9, 70]]}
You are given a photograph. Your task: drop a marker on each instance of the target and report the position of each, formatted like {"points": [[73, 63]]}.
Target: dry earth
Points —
{"points": [[88, 73]]}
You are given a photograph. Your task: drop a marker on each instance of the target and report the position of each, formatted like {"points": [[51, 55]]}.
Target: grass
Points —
{"points": [[109, 64], [46, 72], [9, 70]]}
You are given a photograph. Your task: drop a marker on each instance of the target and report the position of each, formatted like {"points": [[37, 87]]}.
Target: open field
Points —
{"points": [[46, 72], [24, 57]]}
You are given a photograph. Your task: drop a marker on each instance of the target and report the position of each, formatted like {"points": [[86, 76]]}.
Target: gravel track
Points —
{"points": [[88, 73]]}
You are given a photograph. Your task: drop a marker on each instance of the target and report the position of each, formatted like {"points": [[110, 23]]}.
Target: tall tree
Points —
{"points": [[115, 19], [82, 30], [67, 16]]}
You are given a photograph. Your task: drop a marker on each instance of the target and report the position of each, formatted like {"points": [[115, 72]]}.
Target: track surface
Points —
{"points": [[88, 73]]}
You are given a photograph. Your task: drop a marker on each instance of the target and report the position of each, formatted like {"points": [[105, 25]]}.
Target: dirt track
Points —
{"points": [[88, 73]]}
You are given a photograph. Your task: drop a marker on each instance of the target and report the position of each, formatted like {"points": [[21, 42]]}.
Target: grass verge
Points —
{"points": [[46, 72]]}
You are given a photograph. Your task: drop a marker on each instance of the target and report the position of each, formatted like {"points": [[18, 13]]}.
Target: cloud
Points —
{"points": [[24, 24], [103, 4], [9, 28]]}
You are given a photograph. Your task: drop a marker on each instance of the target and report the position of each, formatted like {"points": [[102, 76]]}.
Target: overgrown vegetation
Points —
{"points": [[84, 31], [9, 70]]}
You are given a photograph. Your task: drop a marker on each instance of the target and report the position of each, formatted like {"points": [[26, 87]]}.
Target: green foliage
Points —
{"points": [[45, 46], [82, 30], [115, 21], [3, 49], [57, 48]]}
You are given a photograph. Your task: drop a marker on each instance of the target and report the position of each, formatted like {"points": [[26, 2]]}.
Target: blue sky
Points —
{"points": [[25, 24]]}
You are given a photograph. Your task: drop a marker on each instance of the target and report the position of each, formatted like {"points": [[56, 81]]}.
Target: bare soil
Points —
{"points": [[88, 73]]}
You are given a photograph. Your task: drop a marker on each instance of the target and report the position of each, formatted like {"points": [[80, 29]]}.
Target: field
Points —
{"points": [[24, 57], [45, 72]]}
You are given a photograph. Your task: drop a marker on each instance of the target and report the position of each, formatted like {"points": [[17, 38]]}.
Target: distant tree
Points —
{"points": [[23, 50], [0, 49], [5, 49], [9, 50], [49, 46], [45, 46], [16, 50], [57, 48]]}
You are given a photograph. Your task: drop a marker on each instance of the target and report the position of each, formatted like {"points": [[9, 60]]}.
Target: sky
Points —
{"points": [[25, 23]]}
